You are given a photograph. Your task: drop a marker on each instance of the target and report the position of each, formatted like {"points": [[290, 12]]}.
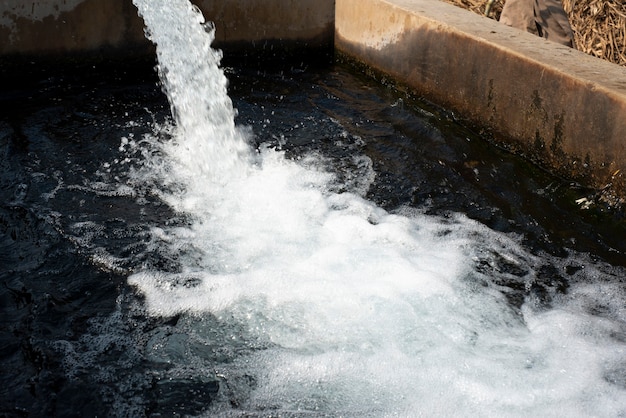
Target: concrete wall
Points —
{"points": [[38, 27], [310, 22], [556, 105], [61, 26]]}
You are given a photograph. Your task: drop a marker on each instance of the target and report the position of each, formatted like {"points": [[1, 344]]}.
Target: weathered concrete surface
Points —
{"points": [[38, 27], [60, 26], [308, 21], [558, 106]]}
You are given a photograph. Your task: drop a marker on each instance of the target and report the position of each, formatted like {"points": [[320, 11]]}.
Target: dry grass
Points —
{"points": [[479, 6], [599, 25]]}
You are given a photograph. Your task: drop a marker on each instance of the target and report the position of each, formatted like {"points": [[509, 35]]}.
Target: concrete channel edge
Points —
{"points": [[559, 107]]}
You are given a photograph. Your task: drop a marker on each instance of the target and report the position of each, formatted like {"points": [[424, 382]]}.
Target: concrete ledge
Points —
{"points": [[53, 27], [62, 26], [558, 106], [310, 22]]}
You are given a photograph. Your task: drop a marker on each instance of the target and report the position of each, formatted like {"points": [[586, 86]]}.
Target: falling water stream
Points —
{"points": [[260, 277]]}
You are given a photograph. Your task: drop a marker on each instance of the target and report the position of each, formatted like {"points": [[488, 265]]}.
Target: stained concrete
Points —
{"points": [[310, 22], [62, 26], [558, 106], [40, 27]]}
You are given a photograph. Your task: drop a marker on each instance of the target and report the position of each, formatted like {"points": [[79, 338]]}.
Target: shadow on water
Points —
{"points": [[71, 341]]}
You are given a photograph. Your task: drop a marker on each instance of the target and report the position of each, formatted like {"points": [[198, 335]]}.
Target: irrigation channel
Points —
{"points": [[330, 248]]}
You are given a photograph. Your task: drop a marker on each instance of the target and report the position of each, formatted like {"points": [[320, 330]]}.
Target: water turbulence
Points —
{"points": [[196, 88], [301, 297]]}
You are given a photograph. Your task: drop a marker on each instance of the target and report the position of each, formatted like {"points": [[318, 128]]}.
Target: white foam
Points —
{"points": [[359, 312]]}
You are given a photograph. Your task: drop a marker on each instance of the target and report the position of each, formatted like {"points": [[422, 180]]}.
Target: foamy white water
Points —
{"points": [[339, 308], [209, 143]]}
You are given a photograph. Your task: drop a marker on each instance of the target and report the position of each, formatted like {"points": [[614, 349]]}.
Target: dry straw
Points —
{"points": [[599, 25]]}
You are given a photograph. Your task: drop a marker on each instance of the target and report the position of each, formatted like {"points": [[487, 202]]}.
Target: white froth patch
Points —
{"points": [[354, 300], [279, 236], [370, 313], [359, 312]]}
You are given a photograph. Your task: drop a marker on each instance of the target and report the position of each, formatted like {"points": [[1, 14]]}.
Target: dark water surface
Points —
{"points": [[74, 340]]}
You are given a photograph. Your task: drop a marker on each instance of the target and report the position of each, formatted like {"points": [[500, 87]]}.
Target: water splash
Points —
{"points": [[207, 142], [304, 301]]}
